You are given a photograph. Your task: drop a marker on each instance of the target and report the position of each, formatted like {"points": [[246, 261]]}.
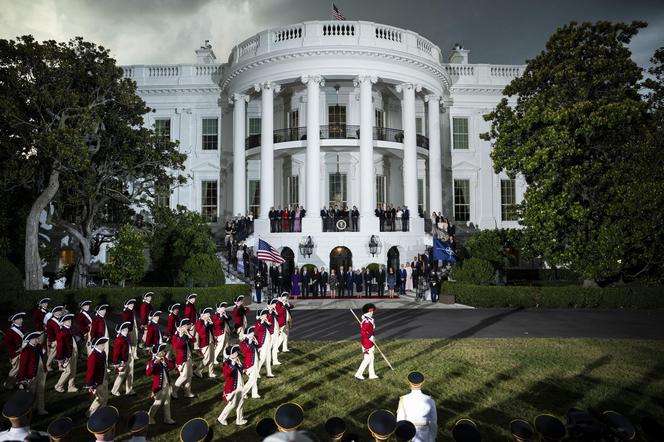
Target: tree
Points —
{"points": [[126, 258], [201, 270], [497, 246], [578, 135]]}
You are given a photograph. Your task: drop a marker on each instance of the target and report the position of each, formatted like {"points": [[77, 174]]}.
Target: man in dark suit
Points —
{"points": [[367, 276], [393, 218], [322, 282], [388, 219], [402, 279], [404, 219], [326, 219], [272, 216], [291, 219], [354, 216], [306, 280], [349, 281], [381, 217], [380, 280]]}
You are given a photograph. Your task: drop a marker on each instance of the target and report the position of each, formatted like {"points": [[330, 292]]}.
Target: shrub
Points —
{"points": [[310, 268], [126, 257], [201, 270], [373, 267], [474, 271], [498, 246], [11, 280]]}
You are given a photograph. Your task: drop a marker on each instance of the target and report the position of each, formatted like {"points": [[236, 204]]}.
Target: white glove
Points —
{"points": [[371, 338]]}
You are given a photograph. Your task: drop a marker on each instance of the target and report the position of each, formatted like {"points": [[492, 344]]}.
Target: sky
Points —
{"points": [[168, 31]]}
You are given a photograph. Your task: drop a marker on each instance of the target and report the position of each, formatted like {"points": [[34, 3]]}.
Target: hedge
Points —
{"points": [[115, 297], [555, 297]]}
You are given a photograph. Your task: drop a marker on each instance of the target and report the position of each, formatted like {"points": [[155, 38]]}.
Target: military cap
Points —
{"points": [[67, 317], [60, 428], [652, 429], [405, 431], [284, 294], [98, 341], [32, 335], [366, 308], [192, 296], [273, 301], [289, 416], [207, 310], [184, 321], [101, 307], [158, 347], [550, 427], [265, 427], [84, 303], [44, 301], [16, 316], [465, 430], [148, 295], [521, 430], [196, 430], [222, 305], [103, 419], [128, 302], [335, 427], [138, 421], [263, 312], [57, 308], [239, 298], [620, 425], [382, 424], [18, 405], [173, 307], [122, 326], [415, 378], [249, 329], [155, 313], [228, 351]]}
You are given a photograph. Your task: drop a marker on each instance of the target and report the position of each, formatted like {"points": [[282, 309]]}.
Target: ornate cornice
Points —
{"points": [[437, 71], [237, 97], [372, 79], [266, 86], [313, 79], [178, 90], [476, 90], [407, 86]]}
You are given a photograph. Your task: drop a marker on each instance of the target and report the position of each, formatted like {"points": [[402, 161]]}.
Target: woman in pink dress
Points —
{"points": [[296, 223]]}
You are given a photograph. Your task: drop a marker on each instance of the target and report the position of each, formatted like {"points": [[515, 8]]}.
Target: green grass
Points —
{"points": [[490, 380]]}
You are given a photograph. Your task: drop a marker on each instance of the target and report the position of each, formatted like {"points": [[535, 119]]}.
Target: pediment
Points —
{"points": [[465, 165], [205, 167]]}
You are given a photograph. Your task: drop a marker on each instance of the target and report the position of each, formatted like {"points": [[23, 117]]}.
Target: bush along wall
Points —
{"points": [[555, 297], [115, 297]]}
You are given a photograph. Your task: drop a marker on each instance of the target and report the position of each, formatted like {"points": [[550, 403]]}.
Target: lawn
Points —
{"points": [[490, 380]]}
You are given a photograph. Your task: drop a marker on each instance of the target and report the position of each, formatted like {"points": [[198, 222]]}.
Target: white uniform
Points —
{"points": [[420, 409], [19, 433], [137, 439]]}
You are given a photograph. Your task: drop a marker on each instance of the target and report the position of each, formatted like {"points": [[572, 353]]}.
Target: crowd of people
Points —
{"points": [[443, 229], [288, 219], [331, 217], [239, 228], [393, 219]]}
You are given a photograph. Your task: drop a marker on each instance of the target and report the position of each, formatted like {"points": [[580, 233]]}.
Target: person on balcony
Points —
{"points": [[325, 216], [273, 219], [297, 219], [291, 218], [284, 220], [354, 216], [388, 219], [398, 215], [405, 217], [380, 214]]}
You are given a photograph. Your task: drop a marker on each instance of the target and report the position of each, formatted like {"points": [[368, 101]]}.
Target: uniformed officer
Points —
{"points": [[196, 430], [288, 417], [285, 321], [59, 430], [102, 423], [152, 330], [183, 346], [99, 327], [419, 408], [31, 368], [335, 427], [13, 340], [96, 377], [205, 333], [249, 348], [405, 431], [266, 427], [18, 410], [262, 331], [52, 329], [158, 367], [138, 426], [84, 322], [39, 315], [190, 308], [521, 430], [233, 386], [465, 430], [367, 328], [129, 315], [172, 321], [275, 338], [66, 353], [240, 316], [123, 360], [382, 425], [144, 317], [220, 321]]}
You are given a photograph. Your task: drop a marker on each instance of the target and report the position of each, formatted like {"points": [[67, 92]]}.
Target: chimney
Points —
{"points": [[205, 54], [459, 55]]}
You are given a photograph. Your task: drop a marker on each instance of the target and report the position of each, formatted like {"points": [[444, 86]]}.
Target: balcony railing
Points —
{"points": [[335, 132]]}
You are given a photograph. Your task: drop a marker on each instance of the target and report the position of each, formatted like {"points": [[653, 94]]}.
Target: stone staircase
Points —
{"points": [[232, 275]]}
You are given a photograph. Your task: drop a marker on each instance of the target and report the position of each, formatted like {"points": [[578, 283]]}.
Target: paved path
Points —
{"points": [[482, 323]]}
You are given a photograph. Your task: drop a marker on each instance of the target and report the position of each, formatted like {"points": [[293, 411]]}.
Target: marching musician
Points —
{"points": [[173, 321], [66, 354], [158, 367], [249, 347], [274, 330], [367, 328], [233, 386], [99, 328], [39, 315], [13, 340], [419, 409], [144, 316], [204, 331], [220, 321], [152, 331], [52, 329], [32, 369], [123, 360], [285, 320], [84, 322], [190, 308], [262, 330], [129, 315], [240, 316], [96, 377], [183, 346]]}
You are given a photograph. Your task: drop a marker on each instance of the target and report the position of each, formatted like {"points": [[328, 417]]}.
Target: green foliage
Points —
{"points": [[554, 297], [126, 257], [178, 235], [474, 271], [498, 246], [579, 135], [373, 267], [310, 268], [11, 281], [201, 270]]}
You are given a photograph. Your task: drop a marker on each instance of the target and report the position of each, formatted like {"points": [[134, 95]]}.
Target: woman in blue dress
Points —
{"points": [[295, 284]]}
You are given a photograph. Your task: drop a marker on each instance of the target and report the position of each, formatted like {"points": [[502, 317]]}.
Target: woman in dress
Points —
{"points": [[398, 219], [296, 223], [240, 260], [284, 220], [295, 284], [391, 282], [409, 277], [334, 282]]}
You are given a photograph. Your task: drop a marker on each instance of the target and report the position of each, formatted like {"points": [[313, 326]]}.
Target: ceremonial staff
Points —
{"points": [[375, 343]]}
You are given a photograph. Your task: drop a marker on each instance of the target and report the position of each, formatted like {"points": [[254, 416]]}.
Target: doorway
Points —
{"points": [[340, 257], [393, 258]]}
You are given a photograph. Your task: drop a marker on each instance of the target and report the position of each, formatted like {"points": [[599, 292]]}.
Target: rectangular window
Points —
{"points": [[254, 197], [337, 190], [462, 200], [460, 133], [162, 128], [380, 118], [420, 195], [419, 129], [210, 139], [508, 200], [294, 119], [337, 121], [209, 200], [381, 190], [254, 126], [163, 197], [294, 190]]}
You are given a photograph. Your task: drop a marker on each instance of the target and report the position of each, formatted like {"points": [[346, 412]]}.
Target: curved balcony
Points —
{"points": [[335, 132]]}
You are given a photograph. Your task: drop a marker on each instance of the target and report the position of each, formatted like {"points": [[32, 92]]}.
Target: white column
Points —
{"points": [[312, 222], [368, 220], [409, 148], [267, 90], [239, 160], [435, 165]]}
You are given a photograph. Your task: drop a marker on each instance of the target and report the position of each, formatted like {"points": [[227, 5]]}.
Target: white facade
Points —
{"points": [[297, 104]]}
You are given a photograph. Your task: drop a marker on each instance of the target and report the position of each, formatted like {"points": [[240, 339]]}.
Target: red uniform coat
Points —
{"points": [[250, 352], [144, 313], [204, 332], [83, 320], [171, 325], [231, 375], [13, 340], [28, 363], [190, 312], [120, 350], [183, 348], [96, 371], [98, 328], [38, 315], [130, 317], [159, 372], [152, 334], [281, 314], [52, 329], [219, 324], [239, 313], [65, 344], [262, 330], [367, 331]]}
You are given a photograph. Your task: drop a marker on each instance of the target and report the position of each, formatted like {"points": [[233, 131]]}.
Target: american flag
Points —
{"points": [[268, 253], [336, 14]]}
